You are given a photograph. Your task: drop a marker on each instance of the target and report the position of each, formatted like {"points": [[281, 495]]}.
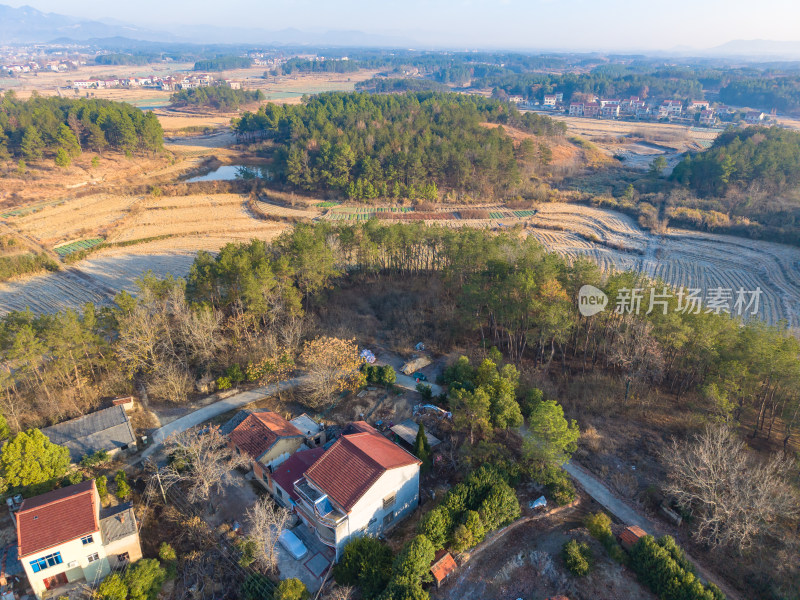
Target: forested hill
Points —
{"points": [[408, 145], [768, 158], [38, 127]]}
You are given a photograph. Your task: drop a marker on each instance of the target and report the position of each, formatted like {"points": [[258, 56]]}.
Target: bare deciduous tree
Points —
{"points": [[332, 365], [170, 381], [198, 329], [339, 592], [266, 522], [734, 497], [203, 460]]}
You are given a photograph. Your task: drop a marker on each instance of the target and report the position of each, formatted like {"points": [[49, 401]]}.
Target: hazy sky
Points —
{"points": [[552, 24]]}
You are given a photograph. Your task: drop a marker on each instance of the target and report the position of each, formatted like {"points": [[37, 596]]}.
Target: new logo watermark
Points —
{"points": [[717, 300], [591, 300]]}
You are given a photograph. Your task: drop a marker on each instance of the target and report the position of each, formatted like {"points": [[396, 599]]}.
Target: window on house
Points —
{"points": [[389, 501], [51, 560], [87, 540], [278, 492], [93, 557], [387, 520]]}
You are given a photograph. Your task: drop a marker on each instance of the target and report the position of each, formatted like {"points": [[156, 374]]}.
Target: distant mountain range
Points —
{"points": [[27, 24], [757, 49]]}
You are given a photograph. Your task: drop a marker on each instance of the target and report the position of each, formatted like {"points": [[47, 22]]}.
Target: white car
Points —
{"points": [[292, 544]]}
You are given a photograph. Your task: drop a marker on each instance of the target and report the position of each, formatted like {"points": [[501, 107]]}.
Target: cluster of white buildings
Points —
{"points": [[55, 66], [635, 108], [168, 82]]}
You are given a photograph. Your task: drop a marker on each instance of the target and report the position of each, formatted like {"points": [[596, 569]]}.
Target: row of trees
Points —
{"points": [[246, 304], [219, 96], [30, 128], [767, 158], [328, 65], [765, 92], [223, 63], [410, 145], [386, 85]]}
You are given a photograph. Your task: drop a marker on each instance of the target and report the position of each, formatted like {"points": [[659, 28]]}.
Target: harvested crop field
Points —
{"points": [[95, 280], [681, 258], [142, 232]]}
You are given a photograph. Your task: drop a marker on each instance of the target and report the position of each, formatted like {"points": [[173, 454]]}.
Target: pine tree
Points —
{"points": [[68, 142], [422, 449], [62, 158], [30, 458], [32, 143]]}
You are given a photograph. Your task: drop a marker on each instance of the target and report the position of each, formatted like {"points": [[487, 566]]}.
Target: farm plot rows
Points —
{"points": [[76, 246], [680, 258], [89, 216], [95, 280]]}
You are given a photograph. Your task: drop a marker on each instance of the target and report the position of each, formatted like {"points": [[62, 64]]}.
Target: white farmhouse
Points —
{"points": [[364, 484], [64, 536]]}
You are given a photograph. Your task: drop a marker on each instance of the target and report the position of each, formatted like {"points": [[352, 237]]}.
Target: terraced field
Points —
{"points": [[96, 280], [163, 234], [680, 258]]}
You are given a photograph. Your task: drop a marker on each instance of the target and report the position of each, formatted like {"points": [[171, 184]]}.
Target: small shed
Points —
{"points": [[630, 536], [108, 429], [442, 566], [126, 402], [408, 430], [314, 432]]}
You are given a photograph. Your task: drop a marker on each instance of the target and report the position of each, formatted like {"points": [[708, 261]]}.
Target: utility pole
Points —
{"points": [[161, 487]]}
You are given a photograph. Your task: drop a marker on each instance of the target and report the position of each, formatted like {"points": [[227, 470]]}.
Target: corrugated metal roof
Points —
{"points": [[117, 522], [443, 565], [409, 429]]}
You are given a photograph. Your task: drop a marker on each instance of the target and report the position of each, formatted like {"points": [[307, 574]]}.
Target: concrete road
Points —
{"points": [[206, 413], [607, 499], [629, 516]]}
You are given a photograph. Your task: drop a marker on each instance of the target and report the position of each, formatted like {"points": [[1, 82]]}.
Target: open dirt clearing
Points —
{"points": [[637, 143]]}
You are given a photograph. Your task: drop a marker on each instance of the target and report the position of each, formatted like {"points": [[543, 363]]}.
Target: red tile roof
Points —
{"points": [[359, 427], [631, 535], [443, 564], [294, 467], [354, 463], [56, 517], [259, 431]]}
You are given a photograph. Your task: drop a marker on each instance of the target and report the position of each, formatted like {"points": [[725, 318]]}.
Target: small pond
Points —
{"points": [[231, 172]]}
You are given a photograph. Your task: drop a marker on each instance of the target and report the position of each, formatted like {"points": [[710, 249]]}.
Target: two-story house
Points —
{"points": [[66, 536], [266, 438], [364, 484]]}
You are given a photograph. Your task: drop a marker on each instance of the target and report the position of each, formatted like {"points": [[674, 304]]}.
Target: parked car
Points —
{"points": [[292, 544]]}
